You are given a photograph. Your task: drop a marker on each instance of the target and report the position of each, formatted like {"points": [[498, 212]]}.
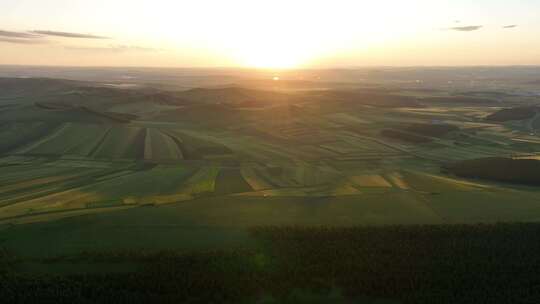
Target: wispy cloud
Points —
{"points": [[23, 35], [20, 38], [113, 49], [510, 26], [468, 28], [39, 36], [68, 34]]}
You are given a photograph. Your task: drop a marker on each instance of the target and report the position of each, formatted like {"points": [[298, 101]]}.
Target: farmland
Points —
{"points": [[109, 171], [289, 146]]}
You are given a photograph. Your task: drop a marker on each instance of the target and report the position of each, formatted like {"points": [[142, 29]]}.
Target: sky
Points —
{"points": [[269, 34]]}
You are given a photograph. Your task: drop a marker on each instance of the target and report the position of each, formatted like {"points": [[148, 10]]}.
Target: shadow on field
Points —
{"points": [[410, 264]]}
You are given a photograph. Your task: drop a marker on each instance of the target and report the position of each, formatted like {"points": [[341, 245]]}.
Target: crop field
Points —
{"points": [[369, 181], [231, 181], [160, 146], [256, 180], [15, 135], [203, 181], [203, 169], [122, 142], [115, 165], [73, 187], [71, 139]]}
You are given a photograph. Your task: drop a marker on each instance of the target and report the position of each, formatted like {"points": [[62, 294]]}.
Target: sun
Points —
{"points": [[272, 56], [273, 48]]}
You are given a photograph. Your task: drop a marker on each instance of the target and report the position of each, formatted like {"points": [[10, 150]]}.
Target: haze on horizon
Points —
{"points": [[269, 34]]}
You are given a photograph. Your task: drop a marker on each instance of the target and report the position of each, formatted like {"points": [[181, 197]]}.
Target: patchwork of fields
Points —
{"points": [[75, 169], [228, 159]]}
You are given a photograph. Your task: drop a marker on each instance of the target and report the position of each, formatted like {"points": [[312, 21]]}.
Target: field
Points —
{"points": [[122, 142], [394, 264], [221, 174], [288, 146]]}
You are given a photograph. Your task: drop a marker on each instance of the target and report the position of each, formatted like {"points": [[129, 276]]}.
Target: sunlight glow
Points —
{"points": [[272, 34], [272, 56]]}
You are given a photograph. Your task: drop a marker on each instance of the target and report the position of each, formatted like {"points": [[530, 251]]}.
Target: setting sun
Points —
{"points": [[272, 56], [271, 59]]}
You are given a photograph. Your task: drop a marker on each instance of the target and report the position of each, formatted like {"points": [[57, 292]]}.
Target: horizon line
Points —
{"points": [[351, 67]]}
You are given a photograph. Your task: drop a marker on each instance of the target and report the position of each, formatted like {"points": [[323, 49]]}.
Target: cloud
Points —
{"points": [[38, 37], [22, 41], [510, 26], [22, 35], [113, 49], [68, 35], [468, 28], [20, 38]]}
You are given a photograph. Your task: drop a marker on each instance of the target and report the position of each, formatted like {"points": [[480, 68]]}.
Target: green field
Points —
{"points": [[71, 139], [314, 146], [121, 143]]}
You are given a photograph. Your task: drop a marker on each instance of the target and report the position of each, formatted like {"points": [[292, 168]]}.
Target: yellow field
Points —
{"points": [[398, 180], [370, 180]]}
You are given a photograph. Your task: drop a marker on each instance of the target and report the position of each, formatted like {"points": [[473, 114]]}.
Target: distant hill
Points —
{"points": [[460, 100], [237, 96], [253, 97], [21, 87], [376, 98]]}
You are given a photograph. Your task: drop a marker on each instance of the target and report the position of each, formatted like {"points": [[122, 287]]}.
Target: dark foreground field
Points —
{"points": [[394, 264]]}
